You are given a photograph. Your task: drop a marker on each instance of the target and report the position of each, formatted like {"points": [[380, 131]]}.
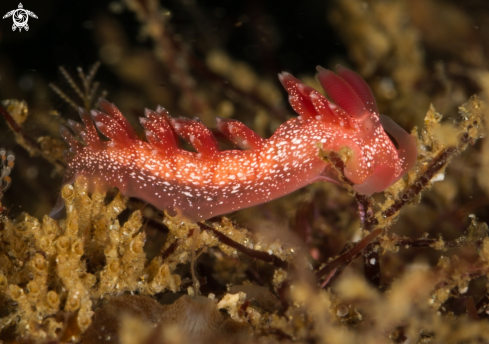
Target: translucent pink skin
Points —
{"points": [[211, 182]]}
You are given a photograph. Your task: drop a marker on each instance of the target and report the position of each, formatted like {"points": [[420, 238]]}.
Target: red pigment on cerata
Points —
{"points": [[209, 182]]}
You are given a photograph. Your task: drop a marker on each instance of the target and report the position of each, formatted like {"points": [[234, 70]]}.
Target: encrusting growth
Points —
{"points": [[210, 182]]}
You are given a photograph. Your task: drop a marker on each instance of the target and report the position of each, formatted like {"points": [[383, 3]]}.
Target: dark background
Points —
{"points": [[274, 36]]}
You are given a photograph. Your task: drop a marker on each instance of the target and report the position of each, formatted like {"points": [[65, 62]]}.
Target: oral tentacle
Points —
{"points": [[378, 181], [407, 144]]}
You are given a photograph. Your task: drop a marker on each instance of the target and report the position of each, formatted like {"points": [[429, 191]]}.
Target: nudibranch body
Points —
{"points": [[209, 182]]}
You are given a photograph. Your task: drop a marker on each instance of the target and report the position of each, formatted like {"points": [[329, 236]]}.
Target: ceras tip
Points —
{"points": [[63, 131], [340, 68], [287, 80], [104, 102], [96, 115], [161, 110], [143, 121], [321, 69]]}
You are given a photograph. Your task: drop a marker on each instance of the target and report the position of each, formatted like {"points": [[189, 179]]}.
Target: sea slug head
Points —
{"points": [[352, 120]]}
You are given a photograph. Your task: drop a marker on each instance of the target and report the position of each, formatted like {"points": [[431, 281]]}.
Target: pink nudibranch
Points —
{"points": [[210, 182]]}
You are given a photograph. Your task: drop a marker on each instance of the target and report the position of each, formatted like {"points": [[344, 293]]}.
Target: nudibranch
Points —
{"points": [[208, 182]]}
